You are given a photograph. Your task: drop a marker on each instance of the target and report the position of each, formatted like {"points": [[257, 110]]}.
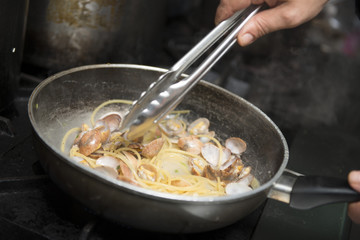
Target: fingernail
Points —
{"points": [[246, 39]]}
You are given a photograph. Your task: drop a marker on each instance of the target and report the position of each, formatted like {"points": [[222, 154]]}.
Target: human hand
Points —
{"points": [[282, 14], [354, 208]]}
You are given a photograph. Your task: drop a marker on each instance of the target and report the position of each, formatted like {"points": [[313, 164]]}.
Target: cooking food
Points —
{"points": [[59, 103], [175, 156]]}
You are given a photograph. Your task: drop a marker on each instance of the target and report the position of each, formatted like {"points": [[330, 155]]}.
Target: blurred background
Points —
{"points": [[305, 76], [306, 79]]}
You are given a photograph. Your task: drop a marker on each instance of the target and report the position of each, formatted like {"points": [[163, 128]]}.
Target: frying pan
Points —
{"points": [[67, 99]]}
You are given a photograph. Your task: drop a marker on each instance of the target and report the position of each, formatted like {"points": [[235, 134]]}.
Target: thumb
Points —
{"points": [[354, 208], [270, 20], [354, 180]]}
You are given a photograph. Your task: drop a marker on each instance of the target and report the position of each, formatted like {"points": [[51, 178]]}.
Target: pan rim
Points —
{"points": [[148, 193]]}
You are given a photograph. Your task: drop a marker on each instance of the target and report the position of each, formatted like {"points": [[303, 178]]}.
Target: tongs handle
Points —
{"points": [[178, 90], [211, 38], [237, 20], [167, 92]]}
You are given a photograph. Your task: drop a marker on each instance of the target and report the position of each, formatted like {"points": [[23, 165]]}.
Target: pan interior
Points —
{"points": [[66, 100]]}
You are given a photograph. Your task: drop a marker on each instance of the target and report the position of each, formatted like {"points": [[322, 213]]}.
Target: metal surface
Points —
{"points": [[281, 190], [33, 207], [167, 92], [85, 88], [267, 152]]}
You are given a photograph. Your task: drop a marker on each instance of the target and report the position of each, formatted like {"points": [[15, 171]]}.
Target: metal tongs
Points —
{"points": [[168, 91]]}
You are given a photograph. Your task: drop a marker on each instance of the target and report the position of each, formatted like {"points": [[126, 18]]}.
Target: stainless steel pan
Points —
{"points": [[67, 99]]}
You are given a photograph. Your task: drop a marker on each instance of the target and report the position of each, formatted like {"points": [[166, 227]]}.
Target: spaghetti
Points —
{"points": [[158, 161]]}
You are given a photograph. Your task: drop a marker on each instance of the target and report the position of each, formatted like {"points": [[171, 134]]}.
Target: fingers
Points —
{"points": [[281, 15], [354, 212], [354, 180], [227, 8], [354, 208], [266, 22], [287, 14]]}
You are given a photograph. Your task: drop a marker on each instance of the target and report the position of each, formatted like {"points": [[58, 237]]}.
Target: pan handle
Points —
{"points": [[306, 192], [313, 191]]}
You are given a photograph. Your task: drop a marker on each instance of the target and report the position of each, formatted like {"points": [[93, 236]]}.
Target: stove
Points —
{"points": [[317, 110]]}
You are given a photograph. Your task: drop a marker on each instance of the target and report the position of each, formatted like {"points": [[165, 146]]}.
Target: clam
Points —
{"points": [[172, 127], [190, 144], [236, 188], [125, 172], [211, 154], [236, 145], [229, 162], [205, 139], [241, 186], [197, 166], [199, 126], [147, 172], [246, 180], [152, 148], [245, 172], [107, 165], [90, 141], [231, 167], [112, 120], [133, 161], [108, 161]]}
